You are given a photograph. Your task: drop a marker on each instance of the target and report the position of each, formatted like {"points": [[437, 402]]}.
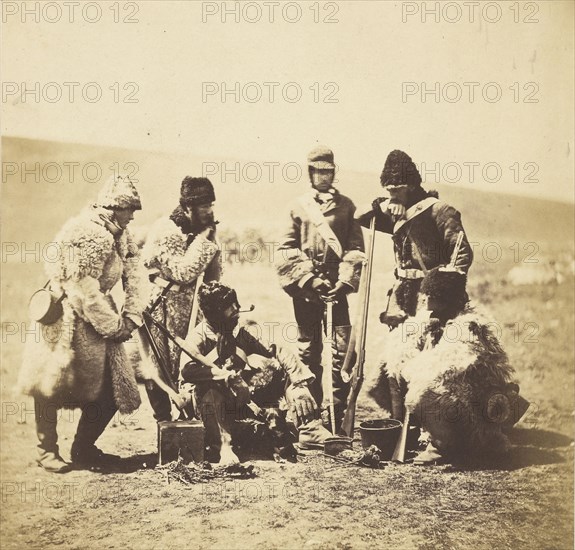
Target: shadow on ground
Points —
{"points": [[530, 447]]}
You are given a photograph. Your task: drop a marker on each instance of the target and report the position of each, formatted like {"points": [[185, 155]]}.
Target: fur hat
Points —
{"points": [[399, 169], [196, 191], [446, 285], [119, 192], [214, 298]]}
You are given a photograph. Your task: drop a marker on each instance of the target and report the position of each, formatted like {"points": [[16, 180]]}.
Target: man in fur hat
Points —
{"points": [[320, 258], [80, 360], [236, 378], [457, 375], [180, 251], [424, 232]]}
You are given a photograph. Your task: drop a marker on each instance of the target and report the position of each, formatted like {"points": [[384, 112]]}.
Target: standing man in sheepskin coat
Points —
{"points": [[424, 232], [312, 272], [180, 250], [80, 360]]}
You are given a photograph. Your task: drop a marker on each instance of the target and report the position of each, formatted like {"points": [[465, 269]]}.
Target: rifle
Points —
{"points": [[165, 382], [196, 356], [329, 327], [358, 344], [399, 451]]}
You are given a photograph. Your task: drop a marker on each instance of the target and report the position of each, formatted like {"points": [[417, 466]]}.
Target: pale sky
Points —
{"points": [[364, 60]]}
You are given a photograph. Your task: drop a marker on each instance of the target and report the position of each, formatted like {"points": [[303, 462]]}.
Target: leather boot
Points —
{"points": [[95, 417], [46, 422]]}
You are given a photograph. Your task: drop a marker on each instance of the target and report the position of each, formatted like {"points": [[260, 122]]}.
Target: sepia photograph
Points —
{"points": [[287, 274]]}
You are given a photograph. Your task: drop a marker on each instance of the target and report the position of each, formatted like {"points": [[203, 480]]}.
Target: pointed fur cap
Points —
{"points": [[119, 192]]}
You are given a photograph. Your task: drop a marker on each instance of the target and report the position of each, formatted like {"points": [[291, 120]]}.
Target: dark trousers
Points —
{"points": [[160, 401], [310, 319], [96, 415]]}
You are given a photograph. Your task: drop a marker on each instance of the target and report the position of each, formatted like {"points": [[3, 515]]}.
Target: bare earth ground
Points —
{"points": [[525, 502]]}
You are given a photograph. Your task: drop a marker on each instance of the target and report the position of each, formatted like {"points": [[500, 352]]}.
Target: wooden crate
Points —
{"points": [[180, 438]]}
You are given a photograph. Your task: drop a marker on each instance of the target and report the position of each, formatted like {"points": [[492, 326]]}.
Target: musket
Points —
{"points": [[196, 356], [357, 344], [399, 451], [165, 382], [329, 327]]}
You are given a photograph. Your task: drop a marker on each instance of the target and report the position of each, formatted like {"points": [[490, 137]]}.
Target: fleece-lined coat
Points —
{"points": [[180, 257], [434, 231], [302, 247], [453, 386], [66, 363]]}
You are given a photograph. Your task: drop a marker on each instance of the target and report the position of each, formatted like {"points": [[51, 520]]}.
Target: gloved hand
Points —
{"points": [[303, 404], [130, 325], [319, 286], [124, 332], [391, 320], [338, 291], [239, 388]]}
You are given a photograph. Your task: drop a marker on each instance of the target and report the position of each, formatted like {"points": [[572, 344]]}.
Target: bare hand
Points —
{"points": [[303, 405], [183, 398], [394, 209], [208, 232]]}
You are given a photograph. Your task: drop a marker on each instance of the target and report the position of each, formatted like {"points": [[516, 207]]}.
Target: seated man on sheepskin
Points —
{"points": [[244, 373], [456, 376]]}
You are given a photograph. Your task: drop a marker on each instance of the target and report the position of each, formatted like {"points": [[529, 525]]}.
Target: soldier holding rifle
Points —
{"points": [[320, 259], [181, 252], [424, 232]]}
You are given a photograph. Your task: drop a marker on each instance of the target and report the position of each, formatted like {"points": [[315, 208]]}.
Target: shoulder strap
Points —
{"points": [[414, 211], [317, 218]]}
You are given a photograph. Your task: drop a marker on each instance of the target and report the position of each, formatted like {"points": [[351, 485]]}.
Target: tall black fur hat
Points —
{"points": [[399, 169], [446, 285], [196, 191], [214, 298]]}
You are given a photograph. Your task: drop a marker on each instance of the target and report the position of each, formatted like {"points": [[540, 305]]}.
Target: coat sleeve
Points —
{"points": [[176, 262], [297, 371], [292, 264], [215, 268], [448, 221], [190, 369], [353, 257], [383, 222], [133, 281], [84, 254]]}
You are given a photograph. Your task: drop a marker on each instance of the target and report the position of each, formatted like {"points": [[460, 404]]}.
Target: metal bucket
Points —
{"points": [[383, 433]]}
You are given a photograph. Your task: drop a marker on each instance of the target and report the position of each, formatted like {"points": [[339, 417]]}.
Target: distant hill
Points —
{"points": [[35, 210]]}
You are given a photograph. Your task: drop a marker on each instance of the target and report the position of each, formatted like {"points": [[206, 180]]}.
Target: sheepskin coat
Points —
{"points": [[451, 372], [66, 363], [301, 248], [180, 257]]}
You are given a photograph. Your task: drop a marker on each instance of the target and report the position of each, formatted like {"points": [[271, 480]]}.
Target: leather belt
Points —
{"points": [[409, 273]]}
